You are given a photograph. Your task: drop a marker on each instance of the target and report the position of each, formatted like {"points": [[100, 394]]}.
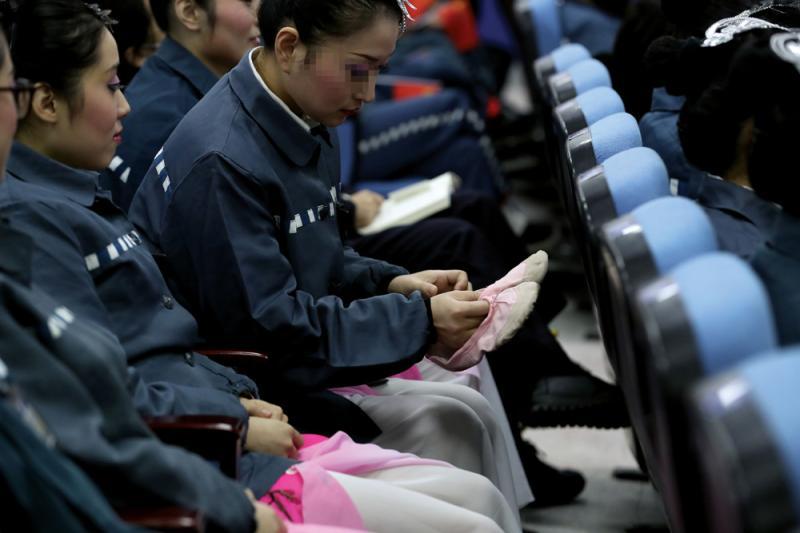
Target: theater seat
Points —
{"points": [[577, 79], [590, 147], [635, 249], [706, 315], [586, 109], [620, 184], [559, 60], [606, 137], [747, 440]]}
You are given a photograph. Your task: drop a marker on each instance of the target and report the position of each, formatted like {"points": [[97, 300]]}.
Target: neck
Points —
{"points": [[270, 72], [35, 140], [194, 43]]}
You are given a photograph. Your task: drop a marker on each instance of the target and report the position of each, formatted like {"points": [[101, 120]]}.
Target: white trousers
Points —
{"points": [[425, 498], [514, 484], [444, 421]]}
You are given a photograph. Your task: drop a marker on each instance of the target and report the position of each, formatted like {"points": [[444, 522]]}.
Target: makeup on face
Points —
{"points": [[337, 77]]}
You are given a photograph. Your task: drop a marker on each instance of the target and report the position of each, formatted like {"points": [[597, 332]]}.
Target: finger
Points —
{"points": [[462, 281], [465, 296], [297, 439], [429, 290], [477, 309]]}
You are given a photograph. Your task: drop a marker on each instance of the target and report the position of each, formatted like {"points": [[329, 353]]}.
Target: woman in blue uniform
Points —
{"points": [[280, 277], [89, 256], [758, 100]]}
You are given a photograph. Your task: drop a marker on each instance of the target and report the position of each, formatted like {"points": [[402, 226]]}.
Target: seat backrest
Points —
{"points": [[704, 316], [723, 303], [622, 183], [559, 60], [608, 136], [747, 436], [586, 109], [577, 79]]}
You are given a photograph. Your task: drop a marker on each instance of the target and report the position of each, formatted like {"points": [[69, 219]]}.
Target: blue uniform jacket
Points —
{"points": [[778, 264], [741, 220], [168, 85], [74, 374], [89, 256], [659, 130], [243, 201]]}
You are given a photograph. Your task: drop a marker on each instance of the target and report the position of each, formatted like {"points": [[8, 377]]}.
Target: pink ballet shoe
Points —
{"points": [[507, 311], [532, 269], [511, 300]]}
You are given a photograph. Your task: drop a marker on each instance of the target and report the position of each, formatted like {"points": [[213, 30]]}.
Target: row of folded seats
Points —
{"points": [[688, 328]]}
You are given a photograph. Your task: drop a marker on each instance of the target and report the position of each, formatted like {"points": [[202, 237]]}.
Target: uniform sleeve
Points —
{"points": [[364, 277], [58, 269], [223, 245], [109, 442]]}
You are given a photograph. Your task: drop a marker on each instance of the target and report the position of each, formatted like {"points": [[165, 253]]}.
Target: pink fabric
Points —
{"points": [[340, 454], [324, 500], [510, 299], [316, 528], [307, 493], [286, 497], [310, 439], [412, 373]]}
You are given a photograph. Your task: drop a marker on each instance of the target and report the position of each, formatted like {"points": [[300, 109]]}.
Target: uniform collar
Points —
{"points": [[286, 133], [786, 235], [17, 256], [30, 166], [720, 194], [186, 65], [663, 101]]}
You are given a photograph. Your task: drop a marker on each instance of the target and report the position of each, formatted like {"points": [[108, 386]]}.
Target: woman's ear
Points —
{"points": [[288, 48], [43, 104], [190, 15]]}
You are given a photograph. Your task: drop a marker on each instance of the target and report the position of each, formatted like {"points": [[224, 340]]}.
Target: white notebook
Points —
{"points": [[413, 203]]}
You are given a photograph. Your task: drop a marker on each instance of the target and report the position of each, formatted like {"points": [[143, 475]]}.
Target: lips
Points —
{"points": [[118, 137], [351, 112]]}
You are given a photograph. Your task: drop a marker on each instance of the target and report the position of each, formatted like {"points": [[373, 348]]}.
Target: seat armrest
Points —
{"points": [[173, 519], [218, 439]]}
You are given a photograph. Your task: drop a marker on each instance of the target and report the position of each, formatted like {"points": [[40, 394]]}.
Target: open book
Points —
{"points": [[413, 203]]}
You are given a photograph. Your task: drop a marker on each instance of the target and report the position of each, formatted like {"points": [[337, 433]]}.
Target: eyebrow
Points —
{"points": [[115, 66]]}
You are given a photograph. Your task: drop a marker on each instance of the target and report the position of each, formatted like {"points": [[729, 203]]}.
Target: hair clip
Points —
{"points": [[787, 47], [723, 31], [103, 15], [404, 5]]}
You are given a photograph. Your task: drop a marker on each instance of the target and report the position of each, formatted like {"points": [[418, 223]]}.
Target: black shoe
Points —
{"points": [[576, 400], [550, 486]]}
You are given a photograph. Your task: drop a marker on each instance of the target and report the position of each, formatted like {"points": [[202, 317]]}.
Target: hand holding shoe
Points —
{"points": [[456, 316]]}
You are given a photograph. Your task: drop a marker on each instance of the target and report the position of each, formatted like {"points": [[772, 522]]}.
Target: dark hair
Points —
{"points": [[161, 11], [692, 17], [771, 85], [759, 86], [130, 31], [54, 41], [316, 19]]}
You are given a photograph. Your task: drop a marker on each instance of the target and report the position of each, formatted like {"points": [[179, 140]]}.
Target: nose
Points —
{"points": [[123, 107], [366, 90]]}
